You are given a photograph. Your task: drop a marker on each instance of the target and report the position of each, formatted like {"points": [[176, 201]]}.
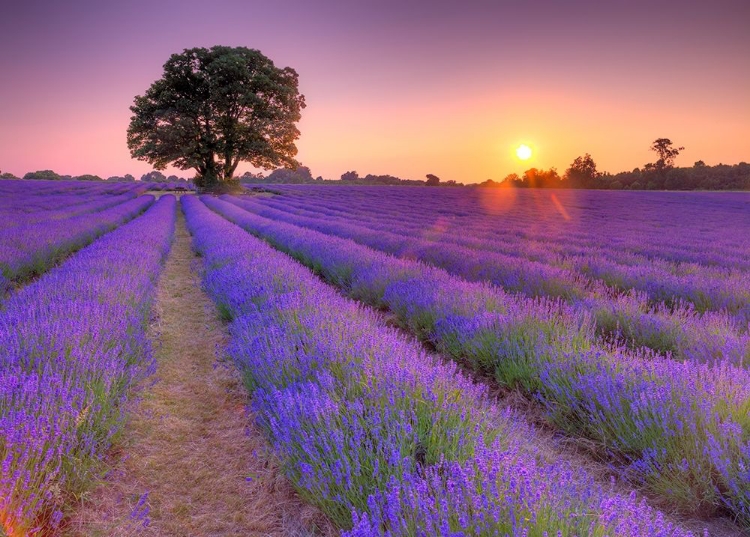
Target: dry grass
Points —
{"points": [[189, 443]]}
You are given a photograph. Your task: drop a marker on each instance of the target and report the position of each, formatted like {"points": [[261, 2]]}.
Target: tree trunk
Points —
{"points": [[208, 176]]}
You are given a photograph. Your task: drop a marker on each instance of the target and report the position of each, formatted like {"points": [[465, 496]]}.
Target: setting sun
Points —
{"points": [[523, 152]]}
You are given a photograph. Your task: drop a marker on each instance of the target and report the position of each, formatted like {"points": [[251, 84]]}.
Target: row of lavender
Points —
{"points": [[556, 265], [386, 439], [681, 428], [678, 330], [674, 226], [36, 240], [32, 210], [71, 345], [42, 187], [174, 185]]}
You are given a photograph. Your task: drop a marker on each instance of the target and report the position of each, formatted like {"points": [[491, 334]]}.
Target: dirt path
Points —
{"points": [[191, 462]]}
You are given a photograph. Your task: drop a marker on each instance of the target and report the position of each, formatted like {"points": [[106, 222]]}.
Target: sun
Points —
{"points": [[523, 152]]}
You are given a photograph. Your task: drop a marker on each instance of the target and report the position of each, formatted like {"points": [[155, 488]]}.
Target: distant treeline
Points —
{"points": [[49, 175], [303, 175], [697, 177]]}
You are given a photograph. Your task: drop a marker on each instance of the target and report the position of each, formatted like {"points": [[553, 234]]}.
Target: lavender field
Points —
{"points": [[624, 316], [385, 335]]}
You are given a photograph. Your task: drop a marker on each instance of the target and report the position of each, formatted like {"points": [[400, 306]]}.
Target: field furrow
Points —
{"points": [[680, 428]]}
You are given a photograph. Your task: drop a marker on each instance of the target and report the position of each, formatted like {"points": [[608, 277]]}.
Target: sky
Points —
{"points": [[404, 88]]}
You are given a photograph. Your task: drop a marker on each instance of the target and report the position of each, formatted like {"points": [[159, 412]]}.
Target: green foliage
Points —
{"points": [[349, 176], [214, 108], [667, 154], [303, 175], [698, 177], [121, 179], [582, 172], [7, 175], [42, 174], [88, 177], [532, 178], [154, 177], [432, 180], [285, 175]]}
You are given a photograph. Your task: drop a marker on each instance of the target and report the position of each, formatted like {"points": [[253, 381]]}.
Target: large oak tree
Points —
{"points": [[214, 108]]}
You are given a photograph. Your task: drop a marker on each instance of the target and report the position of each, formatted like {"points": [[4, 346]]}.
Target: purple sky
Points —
{"points": [[405, 88]]}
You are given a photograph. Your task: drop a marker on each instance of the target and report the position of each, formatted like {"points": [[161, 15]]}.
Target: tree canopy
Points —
{"points": [[154, 177], [667, 154], [432, 180], [43, 174], [582, 172], [214, 108]]}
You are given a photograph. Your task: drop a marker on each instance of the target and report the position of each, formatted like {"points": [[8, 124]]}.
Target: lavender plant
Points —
{"points": [[385, 438], [664, 419], [677, 328], [72, 344], [30, 249]]}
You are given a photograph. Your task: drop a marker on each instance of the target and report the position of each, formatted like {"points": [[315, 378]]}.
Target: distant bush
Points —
{"points": [[7, 175], [121, 179], [350, 176], [154, 177], [43, 174], [88, 177], [698, 177]]}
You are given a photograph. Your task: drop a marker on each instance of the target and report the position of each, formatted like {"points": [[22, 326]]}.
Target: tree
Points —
{"points": [[88, 177], [214, 108], [511, 179], [301, 174], [667, 154], [250, 176], [432, 180], [43, 174], [535, 178], [154, 177], [582, 172], [349, 176]]}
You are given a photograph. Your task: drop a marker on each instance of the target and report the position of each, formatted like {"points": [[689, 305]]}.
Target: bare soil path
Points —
{"points": [[191, 462]]}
